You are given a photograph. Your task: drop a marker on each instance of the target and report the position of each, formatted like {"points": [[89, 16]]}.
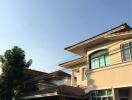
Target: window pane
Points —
{"points": [[99, 53], [102, 61], [125, 46], [104, 98], [93, 93], [109, 92], [98, 98], [95, 63], [131, 48], [107, 60], [94, 99], [126, 52], [101, 93], [124, 93], [110, 98]]}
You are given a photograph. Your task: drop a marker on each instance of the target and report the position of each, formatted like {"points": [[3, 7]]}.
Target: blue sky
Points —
{"points": [[43, 28]]}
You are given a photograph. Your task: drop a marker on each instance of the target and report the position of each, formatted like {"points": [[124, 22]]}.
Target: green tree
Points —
{"points": [[13, 64]]}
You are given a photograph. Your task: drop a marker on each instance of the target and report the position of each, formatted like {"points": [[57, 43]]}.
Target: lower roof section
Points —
{"points": [[68, 91]]}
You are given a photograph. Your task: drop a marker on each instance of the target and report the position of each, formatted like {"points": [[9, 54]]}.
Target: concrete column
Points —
{"points": [[72, 78], [113, 93], [116, 94]]}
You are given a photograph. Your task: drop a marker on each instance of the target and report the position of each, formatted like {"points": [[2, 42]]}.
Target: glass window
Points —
{"points": [[96, 62], [102, 61], [109, 92], [94, 93], [107, 60], [127, 51], [123, 93], [101, 92], [98, 98], [110, 98], [105, 94], [131, 48], [93, 98], [99, 59], [104, 98]]}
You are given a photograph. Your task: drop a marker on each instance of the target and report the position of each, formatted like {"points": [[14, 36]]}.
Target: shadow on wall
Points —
{"points": [[90, 83]]}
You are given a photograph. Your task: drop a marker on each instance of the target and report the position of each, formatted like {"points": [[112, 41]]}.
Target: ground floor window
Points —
{"points": [[124, 94], [102, 94]]}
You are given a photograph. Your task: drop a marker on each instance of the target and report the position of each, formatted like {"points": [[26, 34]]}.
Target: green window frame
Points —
{"points": [[99, 59]]}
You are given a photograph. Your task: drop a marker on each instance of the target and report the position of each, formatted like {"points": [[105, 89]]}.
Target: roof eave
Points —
{"points": [[116, 29], [71, 63]]}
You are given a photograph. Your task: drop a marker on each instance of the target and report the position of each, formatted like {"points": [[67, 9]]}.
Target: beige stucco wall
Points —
{"points": [[80, 81], [78, 73], [117, 74]]}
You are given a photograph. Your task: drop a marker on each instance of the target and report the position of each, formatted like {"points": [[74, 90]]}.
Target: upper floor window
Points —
{"points": [[99, 59], [126, 51]]}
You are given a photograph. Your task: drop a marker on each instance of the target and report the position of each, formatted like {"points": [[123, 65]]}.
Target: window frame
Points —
{"points": [[106, 95], [121, 49], [98, 57]]}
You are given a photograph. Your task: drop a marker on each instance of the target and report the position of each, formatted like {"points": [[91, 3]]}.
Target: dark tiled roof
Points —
{"points": [[30, 73], [61, 90], [60, 73], [48, 76]]}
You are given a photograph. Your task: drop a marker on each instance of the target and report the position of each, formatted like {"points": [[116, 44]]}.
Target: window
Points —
{"points": [[124, 94], [99, 59], [102, 94], [126, 51]]}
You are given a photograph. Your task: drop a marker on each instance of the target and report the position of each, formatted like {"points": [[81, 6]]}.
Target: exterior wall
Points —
{"points": [[113, 76], [117, 74], [80, 81], [78, 73]]}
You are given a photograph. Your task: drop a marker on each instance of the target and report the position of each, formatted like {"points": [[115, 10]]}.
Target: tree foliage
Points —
{"points": [[13, 64]]}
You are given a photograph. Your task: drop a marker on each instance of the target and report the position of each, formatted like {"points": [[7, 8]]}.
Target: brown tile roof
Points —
{"points": [[61, 90]]}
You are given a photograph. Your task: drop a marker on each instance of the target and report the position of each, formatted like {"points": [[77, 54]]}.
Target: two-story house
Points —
{"points": [[104, 68]]}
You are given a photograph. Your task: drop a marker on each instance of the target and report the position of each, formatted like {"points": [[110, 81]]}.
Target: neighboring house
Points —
{"points": [[51, 86], [59, 78], [104, 68], [30, 73]]}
